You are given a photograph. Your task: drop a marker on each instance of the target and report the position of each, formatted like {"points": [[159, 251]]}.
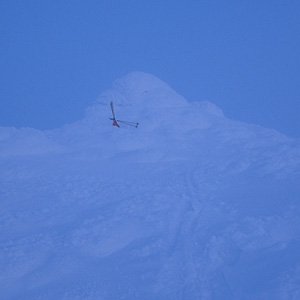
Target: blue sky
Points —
{"points": [[57, 56]]}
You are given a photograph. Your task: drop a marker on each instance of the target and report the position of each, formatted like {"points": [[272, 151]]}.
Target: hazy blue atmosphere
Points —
{"points": [[191, 194], [57, 56]]}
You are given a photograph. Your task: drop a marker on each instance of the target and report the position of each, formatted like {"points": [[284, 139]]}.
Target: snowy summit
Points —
{"points": [[188, 205]]}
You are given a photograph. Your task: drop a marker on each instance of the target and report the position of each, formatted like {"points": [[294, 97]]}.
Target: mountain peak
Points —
{"points": [[138, 88], [148, 100], [139, 83]]}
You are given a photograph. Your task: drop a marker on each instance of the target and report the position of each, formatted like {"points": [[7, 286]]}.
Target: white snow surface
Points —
{"points": [[189, 205]]}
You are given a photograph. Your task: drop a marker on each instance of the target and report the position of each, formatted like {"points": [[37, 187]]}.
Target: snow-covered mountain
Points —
{"points": [[189, 205]]}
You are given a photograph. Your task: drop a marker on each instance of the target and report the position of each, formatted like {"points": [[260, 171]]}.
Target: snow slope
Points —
{"points": [[191, 205]]}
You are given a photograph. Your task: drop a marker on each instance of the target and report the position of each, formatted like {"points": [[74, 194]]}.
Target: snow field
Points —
{"points": [[190, 205]]}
